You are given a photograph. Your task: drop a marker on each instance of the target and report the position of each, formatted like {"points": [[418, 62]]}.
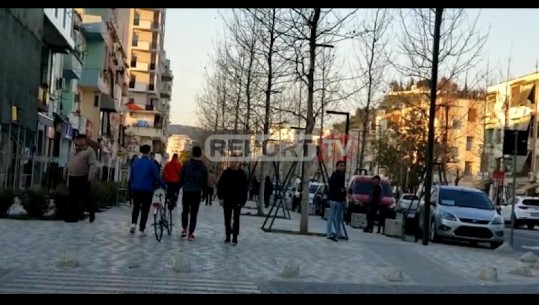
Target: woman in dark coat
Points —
{"points": [[268, 190]]}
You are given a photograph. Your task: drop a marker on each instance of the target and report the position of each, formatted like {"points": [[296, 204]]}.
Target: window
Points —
{"points": [[365, 187], [134, 42], [468, 168], [465, 199], [133, 60], [489, 136], [136, 19], [456, 124], [132, 80], [472, 115], [469, 143], [96, 100]]}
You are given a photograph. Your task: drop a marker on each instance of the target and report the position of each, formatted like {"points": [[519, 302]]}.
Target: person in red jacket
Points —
{"points": [[171, 176]]}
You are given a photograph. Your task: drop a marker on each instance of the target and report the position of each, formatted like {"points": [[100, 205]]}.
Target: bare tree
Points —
{"points": [[310, 30], [373, 59]]}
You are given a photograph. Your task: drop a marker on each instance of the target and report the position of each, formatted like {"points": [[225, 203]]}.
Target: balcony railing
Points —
{"points": [[166, 75], [146, 132], [72, 67], [139, 66], [141, 45], [142, 24], [166, 91], [93, 78], [138, 87]]}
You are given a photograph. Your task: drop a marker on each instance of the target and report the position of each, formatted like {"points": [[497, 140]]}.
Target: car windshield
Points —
{"points": [[466, 199], [364, 187], [409, 197]]}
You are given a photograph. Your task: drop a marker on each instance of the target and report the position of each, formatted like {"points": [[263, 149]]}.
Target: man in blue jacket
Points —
{"points": [[143, 178]]}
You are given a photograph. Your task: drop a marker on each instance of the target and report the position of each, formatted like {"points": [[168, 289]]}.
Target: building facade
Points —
{"points": [[150, 81], [21, 76], [512, 104]]}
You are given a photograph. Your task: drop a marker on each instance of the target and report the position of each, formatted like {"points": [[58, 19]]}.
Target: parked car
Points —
{"points": [[359, 191], [463, 213], [320, 200], [405, 201], [313, 187], [526, 211]]}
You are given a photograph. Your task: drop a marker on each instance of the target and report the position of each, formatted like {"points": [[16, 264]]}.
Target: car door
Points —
{"points": [[433, 198]]}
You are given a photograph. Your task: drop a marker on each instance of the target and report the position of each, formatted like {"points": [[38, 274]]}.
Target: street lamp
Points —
{"points": [[346, 130]]}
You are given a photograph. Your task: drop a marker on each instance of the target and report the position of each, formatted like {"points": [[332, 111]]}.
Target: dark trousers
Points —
{"points": [[142, 201], [173, 190], [79, 197], [372, 210], [190, 203], [209, 195], [233, 228], [267, 197]]}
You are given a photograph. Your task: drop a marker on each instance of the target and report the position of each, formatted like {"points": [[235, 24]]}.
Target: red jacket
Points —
{"points": [[172, 170]]}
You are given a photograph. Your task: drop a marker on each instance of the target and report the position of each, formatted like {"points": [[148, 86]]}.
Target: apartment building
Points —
{"points": [[512, 104], [458, 134], [150, 81], [21, 77], [53, 133], [177, 143]]}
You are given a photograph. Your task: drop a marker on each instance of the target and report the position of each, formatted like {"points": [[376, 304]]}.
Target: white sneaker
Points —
{"points": [[142, 233], [133, 229]]}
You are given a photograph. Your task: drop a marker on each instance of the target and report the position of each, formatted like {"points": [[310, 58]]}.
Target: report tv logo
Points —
{"points": [[265, 148]]}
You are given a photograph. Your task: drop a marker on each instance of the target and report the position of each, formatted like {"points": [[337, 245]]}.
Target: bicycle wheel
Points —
{"points": [[158, 222]]}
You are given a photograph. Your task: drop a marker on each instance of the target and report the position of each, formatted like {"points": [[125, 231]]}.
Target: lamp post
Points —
{"points": [[346, 130]]}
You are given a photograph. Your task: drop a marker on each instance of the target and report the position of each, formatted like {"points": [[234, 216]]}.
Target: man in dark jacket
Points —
{"points": [[374, 204], [337, 198], [232, 190], [143, 178], [193, 179]]}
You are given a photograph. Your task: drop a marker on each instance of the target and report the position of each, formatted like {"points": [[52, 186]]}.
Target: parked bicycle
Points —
{"points": [[162, 217]]}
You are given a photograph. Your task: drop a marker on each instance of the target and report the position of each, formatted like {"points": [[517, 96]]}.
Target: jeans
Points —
{"points": [[335, 218]]}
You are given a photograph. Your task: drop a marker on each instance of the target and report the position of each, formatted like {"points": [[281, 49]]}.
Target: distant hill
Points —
{"points": [[195, 133]]}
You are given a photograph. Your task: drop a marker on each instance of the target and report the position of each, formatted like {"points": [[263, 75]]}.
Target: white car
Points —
{"points": [[313, 187], [404, 202], [526, 211]]}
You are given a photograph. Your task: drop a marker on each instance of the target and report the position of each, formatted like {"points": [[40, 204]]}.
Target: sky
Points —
{"points": [[191, 36]]}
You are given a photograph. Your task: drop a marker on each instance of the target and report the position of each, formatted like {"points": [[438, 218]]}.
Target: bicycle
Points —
{"points": [[160, 219]]}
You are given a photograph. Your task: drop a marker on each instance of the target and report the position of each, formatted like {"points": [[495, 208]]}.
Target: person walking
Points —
{"points": [[129, 192], [143, 179], [171, 176], [80, 173], [337, 198], [232, 190], [268, 190], [212, 181], [152, 156], [374, 204], [194, 180]]}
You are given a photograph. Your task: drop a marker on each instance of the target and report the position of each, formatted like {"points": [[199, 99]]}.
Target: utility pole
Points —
{"points": [[432, 113]]}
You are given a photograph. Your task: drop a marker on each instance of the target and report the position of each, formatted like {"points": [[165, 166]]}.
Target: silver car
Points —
{"points": [[465, 214]]}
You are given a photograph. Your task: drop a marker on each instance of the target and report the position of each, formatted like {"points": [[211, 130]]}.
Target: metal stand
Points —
{"points": [[325, 180], [419, 194], [279, 198]]}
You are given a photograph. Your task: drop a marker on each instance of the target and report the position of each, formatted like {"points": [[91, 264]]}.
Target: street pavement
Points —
{"points": [[103, 257], [524, 240]]}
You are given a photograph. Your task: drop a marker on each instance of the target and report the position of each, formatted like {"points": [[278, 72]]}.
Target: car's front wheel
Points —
{"points": [[433, 234]]}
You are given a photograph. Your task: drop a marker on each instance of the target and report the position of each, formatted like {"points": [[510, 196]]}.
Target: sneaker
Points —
{"points": [[142, 233], [92, 217], [191, 237], [133, 229], [234, 241], [184, 233], [332, 238], [227, 240], [343, 238]]}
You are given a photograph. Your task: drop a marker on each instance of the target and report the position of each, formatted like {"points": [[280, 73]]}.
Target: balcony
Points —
{"points": [[53, 37], [166, 75], [145, 132], [138, 87], [142, 24], [142, 45], [108, 104], [139, 66], [72, 67], [166, 91], [93, 78], [94, 28]]}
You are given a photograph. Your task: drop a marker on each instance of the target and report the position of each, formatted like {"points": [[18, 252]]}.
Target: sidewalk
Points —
{"points": [[107, 248]]}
